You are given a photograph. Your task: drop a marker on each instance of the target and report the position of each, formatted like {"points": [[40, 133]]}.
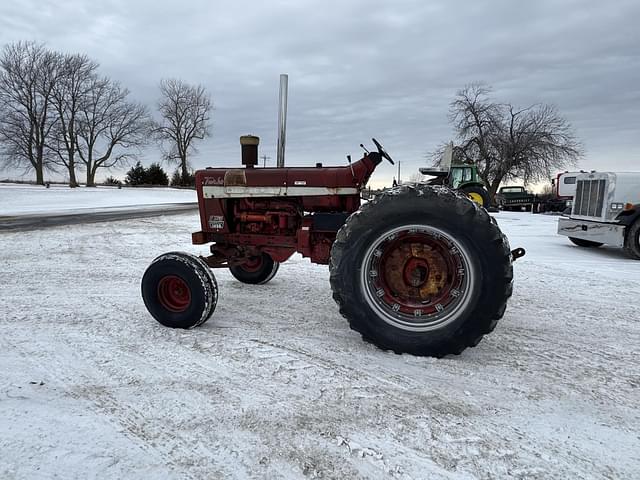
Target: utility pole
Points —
{"points": [[264, 160], [399, 182]]}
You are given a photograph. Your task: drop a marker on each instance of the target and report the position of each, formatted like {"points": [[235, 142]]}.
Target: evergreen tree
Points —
{"points": [[156, 175], [137, 175], [178, 180]]}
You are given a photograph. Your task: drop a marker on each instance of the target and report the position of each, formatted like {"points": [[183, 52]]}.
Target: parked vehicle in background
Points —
{"points": [[516, 198], [459, 176], [564, 185], [563, 190], [606, 210], [559, 200]]}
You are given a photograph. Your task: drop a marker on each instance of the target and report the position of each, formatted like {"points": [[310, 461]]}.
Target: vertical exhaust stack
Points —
{"points": [[282, 118]]}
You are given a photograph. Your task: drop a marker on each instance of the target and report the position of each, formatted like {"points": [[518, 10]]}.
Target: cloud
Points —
{"points": [[361, 68]]}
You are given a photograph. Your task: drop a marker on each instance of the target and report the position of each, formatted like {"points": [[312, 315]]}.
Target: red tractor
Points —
{"points": [[419, 269]]}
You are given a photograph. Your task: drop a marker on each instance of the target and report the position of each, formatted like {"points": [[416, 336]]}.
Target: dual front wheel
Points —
{"points": [[257, 270], [180, 290]]}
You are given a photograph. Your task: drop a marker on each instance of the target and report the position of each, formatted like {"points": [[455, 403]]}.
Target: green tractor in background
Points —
{"points": [[459, 176]]}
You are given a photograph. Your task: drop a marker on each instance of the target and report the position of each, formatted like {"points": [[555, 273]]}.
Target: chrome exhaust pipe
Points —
{"points": [[282, 118]]}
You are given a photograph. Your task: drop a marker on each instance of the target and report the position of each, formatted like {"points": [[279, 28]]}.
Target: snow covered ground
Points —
{"points": [[18, 199], [276, 386]]}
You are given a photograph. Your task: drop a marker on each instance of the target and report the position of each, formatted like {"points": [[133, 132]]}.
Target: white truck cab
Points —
{"points": [[606, 210], [565, 184]]}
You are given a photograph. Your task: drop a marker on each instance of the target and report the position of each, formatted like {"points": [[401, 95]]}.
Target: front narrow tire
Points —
{"points": [[257, 270], [179, 290]]}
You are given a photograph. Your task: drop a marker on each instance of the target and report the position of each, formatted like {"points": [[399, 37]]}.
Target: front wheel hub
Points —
{"points": [[253, 264], [418, 277], [174, 293]]}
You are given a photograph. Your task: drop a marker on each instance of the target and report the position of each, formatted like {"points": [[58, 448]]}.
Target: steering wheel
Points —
{"points": [[382, 151]]}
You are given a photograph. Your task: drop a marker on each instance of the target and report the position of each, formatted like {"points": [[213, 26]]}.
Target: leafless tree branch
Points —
{"points": [[506, 142], [69, 95], [185, 116], [28, 75], [110, 129]]}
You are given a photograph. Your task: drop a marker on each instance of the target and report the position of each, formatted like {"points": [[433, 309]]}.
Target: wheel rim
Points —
{"points": [[476, 197], [174, 293], [253, 264], [417, 277]]}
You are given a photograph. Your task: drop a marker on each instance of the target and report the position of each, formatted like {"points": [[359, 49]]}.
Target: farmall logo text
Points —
{"points": [[216, 222], [213, 181]]}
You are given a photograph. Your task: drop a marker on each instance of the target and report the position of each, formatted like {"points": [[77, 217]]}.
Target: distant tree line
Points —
{"points": [[155, 175], [59, 113]]}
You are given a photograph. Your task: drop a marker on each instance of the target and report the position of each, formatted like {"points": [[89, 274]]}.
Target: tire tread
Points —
{"points": [[470, 333]]}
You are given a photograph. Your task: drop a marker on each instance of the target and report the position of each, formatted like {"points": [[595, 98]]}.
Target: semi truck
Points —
{"points": [[605, 211]]}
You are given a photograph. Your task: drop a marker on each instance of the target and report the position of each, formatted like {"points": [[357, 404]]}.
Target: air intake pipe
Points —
{"points": [[249, 146]]}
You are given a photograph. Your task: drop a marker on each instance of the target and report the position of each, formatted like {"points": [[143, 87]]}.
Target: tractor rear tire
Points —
{"points": [[179, 290], [585, 243], [421, 270], [258, 271], [478, 195], [632, 240]]}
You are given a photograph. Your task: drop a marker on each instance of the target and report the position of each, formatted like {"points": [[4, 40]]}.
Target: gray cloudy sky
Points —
{"points": [[360, 68]]}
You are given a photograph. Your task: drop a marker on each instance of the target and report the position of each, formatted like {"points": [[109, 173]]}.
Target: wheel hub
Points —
{"points": [[416, 272], [253, 264], [417, 277], [476, 197], [174, 293]]}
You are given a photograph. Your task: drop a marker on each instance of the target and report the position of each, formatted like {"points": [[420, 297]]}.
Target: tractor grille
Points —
{"points": [[589, 198]]}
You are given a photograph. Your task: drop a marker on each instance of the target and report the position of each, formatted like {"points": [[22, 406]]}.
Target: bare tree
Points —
{"points": [[110, 128], [505, 142], [70, 95], [28, 75], [185, 111]]}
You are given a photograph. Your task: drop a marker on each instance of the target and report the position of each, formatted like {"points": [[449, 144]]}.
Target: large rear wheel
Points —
{"points": [[421, 270]]}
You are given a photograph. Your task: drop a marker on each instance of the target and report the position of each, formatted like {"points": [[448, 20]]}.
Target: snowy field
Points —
{"points": [[18, 199], [276, 386]]}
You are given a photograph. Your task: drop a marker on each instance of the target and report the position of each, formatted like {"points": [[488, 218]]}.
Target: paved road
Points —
{"points": [[44, 220]]}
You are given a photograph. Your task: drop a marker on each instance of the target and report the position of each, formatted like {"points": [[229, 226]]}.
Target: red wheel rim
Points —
{"points": [[174, 293], [253, 264], [417, 277]]}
